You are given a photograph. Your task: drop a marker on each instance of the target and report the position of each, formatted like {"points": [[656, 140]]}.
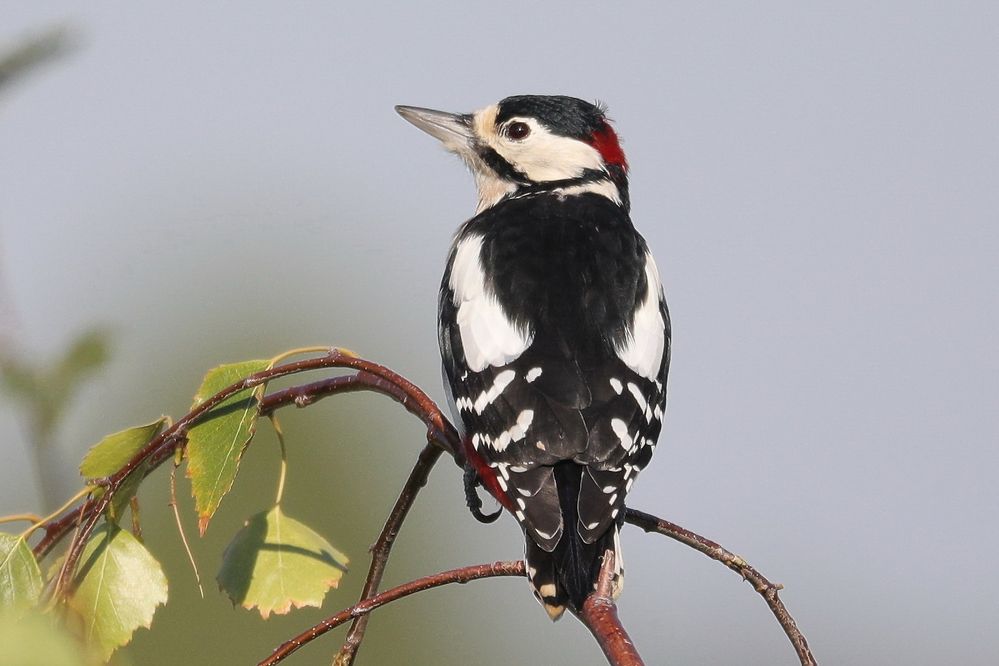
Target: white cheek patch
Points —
{"points": [[643, 347], [488, 337], [543, 156]]}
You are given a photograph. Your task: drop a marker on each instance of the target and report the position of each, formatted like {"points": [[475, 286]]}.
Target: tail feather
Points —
{"points": [[564, 577]]}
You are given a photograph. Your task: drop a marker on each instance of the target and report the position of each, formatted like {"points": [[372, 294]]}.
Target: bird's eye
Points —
{"points": [[518, 131]]}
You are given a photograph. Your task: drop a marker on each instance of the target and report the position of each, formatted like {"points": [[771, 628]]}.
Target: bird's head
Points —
{"points": [[532, 142]]}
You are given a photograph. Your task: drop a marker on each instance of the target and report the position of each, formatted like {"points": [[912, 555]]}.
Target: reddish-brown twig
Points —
{"points": [[767, 590], [376, 376], [301, 396], [462, 575], [382, 547], [599, 615]]}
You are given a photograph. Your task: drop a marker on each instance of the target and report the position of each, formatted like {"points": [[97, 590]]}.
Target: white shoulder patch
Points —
{"points": [[642, 350], [488, 337]]}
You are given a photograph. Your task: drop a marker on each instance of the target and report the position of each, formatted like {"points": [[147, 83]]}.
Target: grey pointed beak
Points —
{"points": [[454, 130]]}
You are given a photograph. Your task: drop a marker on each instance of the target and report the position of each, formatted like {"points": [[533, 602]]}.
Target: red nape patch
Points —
{"points": [[606, 143], [486, 473]]}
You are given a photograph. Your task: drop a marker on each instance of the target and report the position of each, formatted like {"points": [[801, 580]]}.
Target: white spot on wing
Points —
{"points": [[515, 433], [621, 430], [488, 337], [486, 398], [532, 374], [636, 393], [642, 350], [616, 385]]}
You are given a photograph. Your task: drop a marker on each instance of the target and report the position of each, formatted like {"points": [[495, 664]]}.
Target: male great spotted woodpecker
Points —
{"points": [[554, 332]]}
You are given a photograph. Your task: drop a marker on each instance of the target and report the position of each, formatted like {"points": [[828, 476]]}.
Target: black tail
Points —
{"points": [[568, 574]]}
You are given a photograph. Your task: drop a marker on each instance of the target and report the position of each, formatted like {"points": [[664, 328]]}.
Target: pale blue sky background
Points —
{"points": [[818, 183]]}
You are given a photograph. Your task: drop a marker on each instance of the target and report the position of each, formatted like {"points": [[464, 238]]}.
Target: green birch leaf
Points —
{"points": [[33, 639], [216, 444], [20, 577], [87, 353], [276, 563], [111, 453], [119, 586]]}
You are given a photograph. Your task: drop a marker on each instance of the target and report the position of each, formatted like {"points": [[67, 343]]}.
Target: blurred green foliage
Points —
{"points": [[33, 51], [46, 390]]}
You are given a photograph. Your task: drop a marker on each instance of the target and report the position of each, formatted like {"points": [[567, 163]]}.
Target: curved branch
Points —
{"points": [[439, 428], [767, 590], [374, 376], [301, 396], [383, 546], [462, 575]]}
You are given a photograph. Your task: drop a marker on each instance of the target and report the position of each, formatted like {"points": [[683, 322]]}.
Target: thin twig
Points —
{"points": [[382, 547], [462, 575], [767, 590], [599, 615], [439, 428], [372, 375], [180, 525]]}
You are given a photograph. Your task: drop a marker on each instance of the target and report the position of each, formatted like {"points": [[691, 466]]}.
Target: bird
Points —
{"points": [[553, 330]]}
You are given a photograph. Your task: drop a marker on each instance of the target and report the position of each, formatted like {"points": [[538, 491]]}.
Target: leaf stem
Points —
{"points": [[180, 525], [86, 490], [284, 457], [18, 517], [299, 351]]}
